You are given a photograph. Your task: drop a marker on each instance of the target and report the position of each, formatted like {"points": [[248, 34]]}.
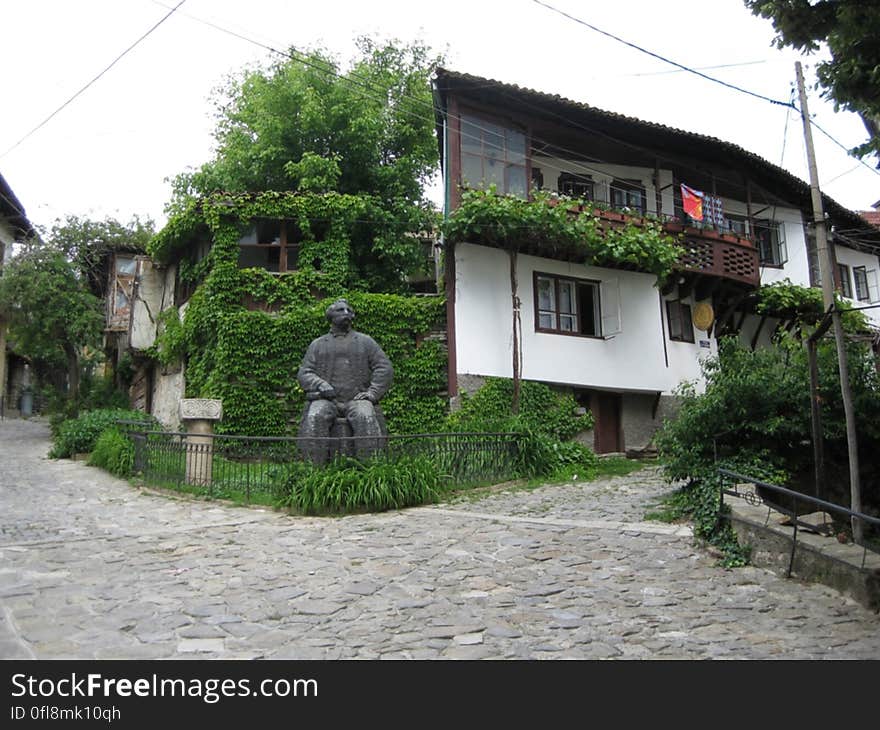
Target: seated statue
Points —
{"points": [[344, 375]]}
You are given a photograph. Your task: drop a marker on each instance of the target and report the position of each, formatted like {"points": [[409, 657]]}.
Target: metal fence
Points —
{"points": [[246, 466], [790, 502]]}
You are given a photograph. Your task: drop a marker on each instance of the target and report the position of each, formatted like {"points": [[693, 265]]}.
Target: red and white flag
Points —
{"points": [[692, 202]]}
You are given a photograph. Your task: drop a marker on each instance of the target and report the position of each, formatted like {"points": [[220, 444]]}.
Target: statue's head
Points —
{"points": [[340, 314]]}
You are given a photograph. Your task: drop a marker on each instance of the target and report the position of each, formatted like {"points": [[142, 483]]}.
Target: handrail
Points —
{"points": [[797, 496]]}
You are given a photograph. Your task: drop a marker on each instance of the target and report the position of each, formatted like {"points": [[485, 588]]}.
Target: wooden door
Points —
{"points": [[608, 436]]}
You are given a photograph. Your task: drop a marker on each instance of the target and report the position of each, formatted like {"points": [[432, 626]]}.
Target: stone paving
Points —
{"points": [[92, 567]]}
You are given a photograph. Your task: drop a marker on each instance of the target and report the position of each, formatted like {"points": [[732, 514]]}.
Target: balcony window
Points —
{"points": [[770, 238], [492, 154], [270, 244], [736, 224], [629, 194], [577, 186]]}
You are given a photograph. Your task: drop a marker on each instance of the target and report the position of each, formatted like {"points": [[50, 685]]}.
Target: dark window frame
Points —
{"points": [[846, 282], [772, 249], [595, 287], [860, 278], [283, 246], [680, 321], [573, 181]]}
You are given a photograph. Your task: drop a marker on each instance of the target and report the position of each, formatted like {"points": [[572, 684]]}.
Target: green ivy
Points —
{"points": [[561, 228], [805, 304], [542, 410]]}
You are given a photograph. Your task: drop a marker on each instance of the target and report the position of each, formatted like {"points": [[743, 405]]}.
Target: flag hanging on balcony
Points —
{"points": [[713, 210], [692, 202]]}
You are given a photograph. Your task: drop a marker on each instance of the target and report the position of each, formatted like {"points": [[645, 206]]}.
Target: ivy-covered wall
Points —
{"points": [[245, 331]]}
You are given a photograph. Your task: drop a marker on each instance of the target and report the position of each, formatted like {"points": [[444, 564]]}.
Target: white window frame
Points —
{"points": [[866, 289]]}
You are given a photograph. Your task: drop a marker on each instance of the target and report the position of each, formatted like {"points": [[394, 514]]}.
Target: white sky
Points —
{"points": [[149, 117]]}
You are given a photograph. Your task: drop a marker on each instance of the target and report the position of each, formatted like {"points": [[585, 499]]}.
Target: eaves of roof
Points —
{"points": [[13, 211]]}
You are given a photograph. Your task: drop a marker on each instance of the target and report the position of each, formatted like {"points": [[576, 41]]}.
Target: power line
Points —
{"points": [[696, 68], [111, 65], [378, 94], [844, 148], [837, 177], [662, 58]]}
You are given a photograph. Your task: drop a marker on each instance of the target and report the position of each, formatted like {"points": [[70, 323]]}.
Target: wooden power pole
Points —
{"points": [[823, 249]]}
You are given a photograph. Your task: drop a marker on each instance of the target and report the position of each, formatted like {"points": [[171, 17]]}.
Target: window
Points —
{"points": [[567, 306], [492, 154], [537, 179], [770, 237], [736, 224], [270, 244], [845, 281], [678, 315], [628, 194], [576, 186], [866, 284], [121, 292]]}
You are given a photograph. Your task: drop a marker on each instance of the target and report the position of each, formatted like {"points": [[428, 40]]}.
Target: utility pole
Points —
{"points": [[823, 250]]}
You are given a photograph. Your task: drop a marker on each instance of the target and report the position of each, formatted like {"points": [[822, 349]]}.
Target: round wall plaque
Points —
{"points": [[703, 316]]}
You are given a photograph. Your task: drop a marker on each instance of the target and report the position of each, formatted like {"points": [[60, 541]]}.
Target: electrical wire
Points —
{"points": [[78, 93], [680, 66], [575, 164]]}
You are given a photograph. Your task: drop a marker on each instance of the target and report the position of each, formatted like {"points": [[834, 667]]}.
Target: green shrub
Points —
{"points": [[348, 485], [754, 418], [80, 434], [542, 410], [544, 456], [113, 451]]}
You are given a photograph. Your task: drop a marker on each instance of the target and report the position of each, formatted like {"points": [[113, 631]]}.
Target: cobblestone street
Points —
{"points": [[92, 567]]}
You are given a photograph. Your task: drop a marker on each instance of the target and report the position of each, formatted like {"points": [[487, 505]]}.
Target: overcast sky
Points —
{"points": [[110, 151]]}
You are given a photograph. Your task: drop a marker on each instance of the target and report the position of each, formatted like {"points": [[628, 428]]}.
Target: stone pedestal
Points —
{"points": [[198, 416]]}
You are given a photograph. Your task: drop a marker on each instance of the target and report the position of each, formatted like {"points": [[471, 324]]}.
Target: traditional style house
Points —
{"points": [[14, 227], [606, 325]]}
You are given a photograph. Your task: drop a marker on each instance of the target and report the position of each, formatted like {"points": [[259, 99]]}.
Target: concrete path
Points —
{"points": [[91, 567]]}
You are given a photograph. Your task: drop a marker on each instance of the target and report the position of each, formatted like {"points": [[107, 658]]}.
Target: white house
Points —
{"points": [[621, 341]]}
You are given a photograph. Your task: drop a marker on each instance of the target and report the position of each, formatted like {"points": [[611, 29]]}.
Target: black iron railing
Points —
{"points": [[224, 465], [789, 502]]}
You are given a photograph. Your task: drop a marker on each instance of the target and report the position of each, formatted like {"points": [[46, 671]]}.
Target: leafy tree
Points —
{"points": [[305, 124], [50, 313], [851, 31], [49, 292], [86, 243]]}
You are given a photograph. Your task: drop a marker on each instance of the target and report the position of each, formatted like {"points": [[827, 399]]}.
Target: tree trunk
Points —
{"points": [[72, 375], [517, 345]]}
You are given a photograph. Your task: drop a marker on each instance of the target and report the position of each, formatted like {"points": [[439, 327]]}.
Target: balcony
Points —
{"points": [[725, 255], [707, 251]]}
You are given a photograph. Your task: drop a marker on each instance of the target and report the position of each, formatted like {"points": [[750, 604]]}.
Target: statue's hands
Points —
{"points": [[327, 391], [366, 395]]}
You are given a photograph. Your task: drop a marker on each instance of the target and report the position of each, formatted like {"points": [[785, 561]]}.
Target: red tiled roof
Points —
{"points": [[872, 216]]}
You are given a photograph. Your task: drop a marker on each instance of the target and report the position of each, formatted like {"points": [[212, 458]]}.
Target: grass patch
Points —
{"points": [[616, 466], [673, 507]]}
